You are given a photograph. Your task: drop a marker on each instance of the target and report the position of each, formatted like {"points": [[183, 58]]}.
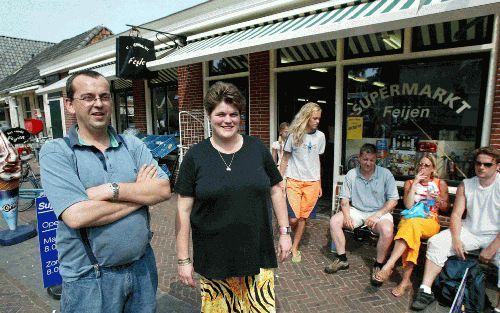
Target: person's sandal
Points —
{"points": [[400, 290], [381, 275], [297, 258]]}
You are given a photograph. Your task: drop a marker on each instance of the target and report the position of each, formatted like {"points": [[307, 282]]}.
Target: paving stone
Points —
{"points": [[301, 287]]}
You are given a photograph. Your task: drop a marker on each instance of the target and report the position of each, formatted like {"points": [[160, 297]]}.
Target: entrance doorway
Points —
{"points": [[316, 85], [55, 118]]}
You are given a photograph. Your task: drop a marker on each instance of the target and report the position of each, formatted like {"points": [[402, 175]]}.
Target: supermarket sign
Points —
{"points": [[47, 224], [439, 94]]}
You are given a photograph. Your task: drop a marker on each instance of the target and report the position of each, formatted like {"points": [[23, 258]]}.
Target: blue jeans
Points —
{"points": [[117, 289]]}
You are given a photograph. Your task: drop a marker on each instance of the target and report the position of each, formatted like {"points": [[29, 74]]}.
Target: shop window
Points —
{"points": [[315, 52], [408, 108], [27, 107], [383, 43], [467, 32], [230, 65], [165, 110], [125, 110], [168, 75], [242, 84]]}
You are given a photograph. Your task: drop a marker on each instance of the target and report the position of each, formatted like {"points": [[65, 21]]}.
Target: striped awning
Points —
{"points": [[166, 75], [362, 17]]}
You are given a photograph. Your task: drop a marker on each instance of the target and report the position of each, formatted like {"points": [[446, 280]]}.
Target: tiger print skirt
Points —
{"points": [[249, 294]]}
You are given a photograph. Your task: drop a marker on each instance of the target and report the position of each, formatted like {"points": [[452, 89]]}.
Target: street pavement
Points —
{"points": [[302, 287]]}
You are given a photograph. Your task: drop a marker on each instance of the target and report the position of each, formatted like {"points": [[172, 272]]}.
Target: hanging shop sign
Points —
{"points": [[132, 54], [17, 135], [445, 97]]}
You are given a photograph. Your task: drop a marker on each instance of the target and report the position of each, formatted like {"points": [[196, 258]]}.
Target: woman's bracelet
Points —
{"points": [[184, 261]]}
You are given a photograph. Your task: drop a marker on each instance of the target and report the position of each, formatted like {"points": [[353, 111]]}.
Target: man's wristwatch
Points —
{"points": [[285, 230], [115, 188]]}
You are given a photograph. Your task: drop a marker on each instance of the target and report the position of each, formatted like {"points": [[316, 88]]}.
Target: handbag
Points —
{"points": [[419, 209]]}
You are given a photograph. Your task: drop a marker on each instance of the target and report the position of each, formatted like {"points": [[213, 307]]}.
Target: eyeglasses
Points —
{"points": [[487, 164], [424, 165], [90, 99]]}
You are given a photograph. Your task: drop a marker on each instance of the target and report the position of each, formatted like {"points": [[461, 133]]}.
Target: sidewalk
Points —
{"points": [[302, 287]]}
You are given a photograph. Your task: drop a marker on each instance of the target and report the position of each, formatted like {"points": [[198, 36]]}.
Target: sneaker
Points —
{"points": [[422, 300], [336, 266]]}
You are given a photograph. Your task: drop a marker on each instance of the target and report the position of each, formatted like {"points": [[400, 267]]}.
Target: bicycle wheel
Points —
{"points": [[26, 199]]}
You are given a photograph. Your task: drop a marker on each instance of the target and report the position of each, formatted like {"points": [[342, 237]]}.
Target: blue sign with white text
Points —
{"points": [[47, 225]]}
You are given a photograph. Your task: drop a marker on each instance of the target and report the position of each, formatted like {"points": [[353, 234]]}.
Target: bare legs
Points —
{"points": [[385, 230], [431, 271], [338, 237], [300, 226]]}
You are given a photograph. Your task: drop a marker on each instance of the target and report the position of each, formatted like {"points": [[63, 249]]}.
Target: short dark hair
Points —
{"points": [[368, 148], [221, 91], [488, 150], [69, 83]]}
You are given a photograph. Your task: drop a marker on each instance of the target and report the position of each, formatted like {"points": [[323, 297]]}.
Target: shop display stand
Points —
{"points": [[21, 233]]}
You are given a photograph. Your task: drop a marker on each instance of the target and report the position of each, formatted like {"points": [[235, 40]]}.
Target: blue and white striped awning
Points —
{"points": [[359, 18]]}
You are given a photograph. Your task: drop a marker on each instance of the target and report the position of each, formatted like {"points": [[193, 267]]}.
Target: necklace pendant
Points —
{"points": [[228, 169]]}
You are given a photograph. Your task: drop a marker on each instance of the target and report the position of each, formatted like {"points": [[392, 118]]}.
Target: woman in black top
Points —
{"points": [[226, 185]]}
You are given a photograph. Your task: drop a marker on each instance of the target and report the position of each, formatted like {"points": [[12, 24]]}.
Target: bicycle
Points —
{"points": [[29, 184]]}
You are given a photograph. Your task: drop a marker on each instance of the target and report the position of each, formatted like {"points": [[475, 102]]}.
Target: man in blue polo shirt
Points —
{"points": [[368, 196], [100, 185]]}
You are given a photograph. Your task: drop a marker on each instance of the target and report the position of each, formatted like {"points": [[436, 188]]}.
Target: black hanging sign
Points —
{"points": [[17, 135], [132, 54]]}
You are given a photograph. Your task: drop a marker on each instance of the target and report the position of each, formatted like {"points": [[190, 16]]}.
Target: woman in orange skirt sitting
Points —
{"points": [[432, 191]]}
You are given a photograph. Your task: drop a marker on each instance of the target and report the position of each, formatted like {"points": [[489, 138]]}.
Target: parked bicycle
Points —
{"points": [[29, 184]]}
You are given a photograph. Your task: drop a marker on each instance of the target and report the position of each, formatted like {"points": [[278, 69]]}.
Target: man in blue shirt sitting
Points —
{"points": [[368, 196]]}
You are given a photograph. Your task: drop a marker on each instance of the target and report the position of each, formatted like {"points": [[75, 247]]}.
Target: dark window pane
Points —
{"points": [[467, 32], [383, 43], [229, 65], [435, 101], [315, 52]]}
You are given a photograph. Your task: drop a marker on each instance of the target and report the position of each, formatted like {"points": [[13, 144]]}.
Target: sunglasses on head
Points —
{"points": [[424, 165], [487, 164]]}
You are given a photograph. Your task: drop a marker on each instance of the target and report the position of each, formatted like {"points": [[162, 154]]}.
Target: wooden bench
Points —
{"points": [[444, 218]]}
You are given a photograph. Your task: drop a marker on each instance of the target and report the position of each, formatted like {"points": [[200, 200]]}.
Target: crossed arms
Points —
{"points": [[99, 210]]}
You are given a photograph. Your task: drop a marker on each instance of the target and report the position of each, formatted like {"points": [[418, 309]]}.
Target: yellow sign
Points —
{"points": [[355, 127]]}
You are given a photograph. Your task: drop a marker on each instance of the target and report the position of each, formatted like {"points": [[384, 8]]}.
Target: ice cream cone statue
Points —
{"points": [[10, 172]]}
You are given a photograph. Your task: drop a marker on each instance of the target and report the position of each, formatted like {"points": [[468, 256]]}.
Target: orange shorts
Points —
{"points": [[302, 197]]}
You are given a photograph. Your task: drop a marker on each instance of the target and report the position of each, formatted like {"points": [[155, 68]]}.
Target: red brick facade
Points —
{"points": [[259, 94], [139, 106], [495, 122]]}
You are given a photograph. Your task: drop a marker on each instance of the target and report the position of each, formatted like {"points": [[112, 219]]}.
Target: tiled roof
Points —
{"points": [[30, 73], [16, 52]]}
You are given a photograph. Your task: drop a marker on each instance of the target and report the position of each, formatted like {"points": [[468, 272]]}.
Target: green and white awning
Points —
{"points": [[359, 18]]}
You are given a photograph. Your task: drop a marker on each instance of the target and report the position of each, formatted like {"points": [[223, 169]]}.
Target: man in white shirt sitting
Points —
{"points": [[480, 195]]}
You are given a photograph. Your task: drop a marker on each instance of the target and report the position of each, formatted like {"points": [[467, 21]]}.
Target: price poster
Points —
{"points": [[47, 225], [355, 127]]}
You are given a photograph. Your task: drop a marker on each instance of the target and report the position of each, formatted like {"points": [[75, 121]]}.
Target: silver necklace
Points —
{"points": [[228, 167]]}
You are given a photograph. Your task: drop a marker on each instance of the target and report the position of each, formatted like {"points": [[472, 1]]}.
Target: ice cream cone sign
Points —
{"points": [[10, 165]]}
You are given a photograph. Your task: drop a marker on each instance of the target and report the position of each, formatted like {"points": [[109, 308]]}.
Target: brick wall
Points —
{"points": [[69, 119], [139, 106], [190, 90], [258, 64], [495, 122]]}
